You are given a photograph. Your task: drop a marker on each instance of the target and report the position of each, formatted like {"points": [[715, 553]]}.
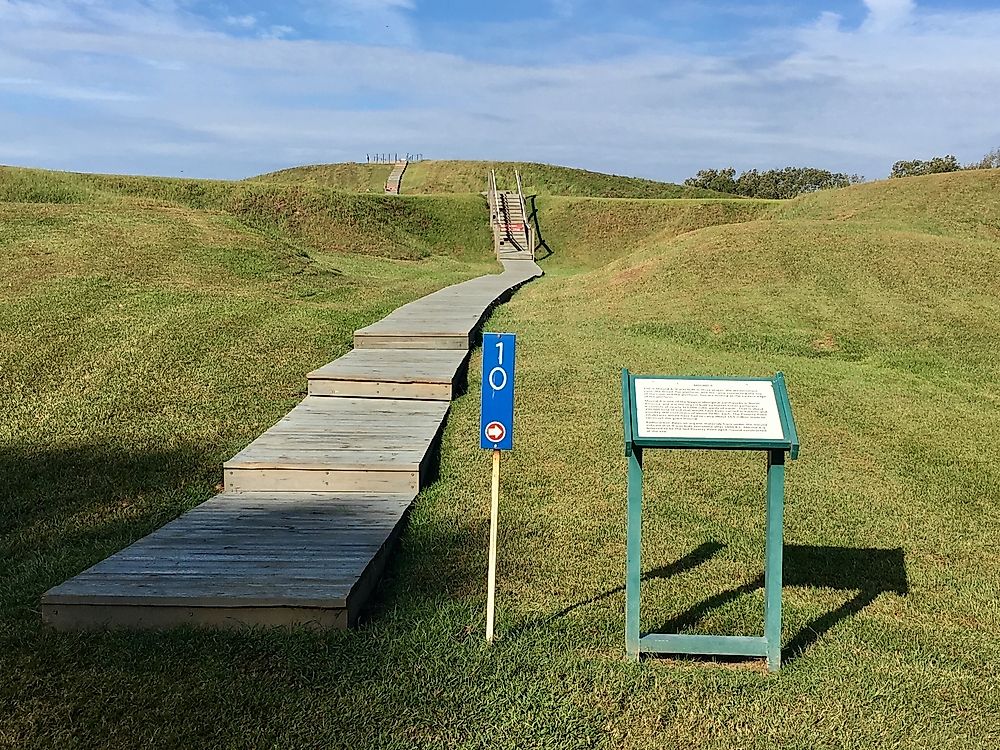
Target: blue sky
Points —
{"points": [[211, 88]]}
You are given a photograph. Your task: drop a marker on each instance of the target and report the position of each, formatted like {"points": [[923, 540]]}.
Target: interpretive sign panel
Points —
{"points": [[719, 413], [680, 408], [727, 413]]}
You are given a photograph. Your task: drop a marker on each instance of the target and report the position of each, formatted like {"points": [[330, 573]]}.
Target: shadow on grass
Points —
{"points": [[533, 220], [700, 554], [62, 510], [869, 572]]}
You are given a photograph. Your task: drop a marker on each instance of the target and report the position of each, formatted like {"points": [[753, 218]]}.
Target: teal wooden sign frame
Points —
{"points": [[769, 645]]}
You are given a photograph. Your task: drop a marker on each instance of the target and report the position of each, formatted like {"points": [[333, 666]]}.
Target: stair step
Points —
{"points": [[341, 445], [242, 559], [391, 373]]}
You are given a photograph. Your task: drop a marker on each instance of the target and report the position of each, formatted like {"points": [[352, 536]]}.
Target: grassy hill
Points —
{"points": [[432, 176], [587, 233], [322, 219], [152, 327], [350, 176], [881, 306], [149, 329]]}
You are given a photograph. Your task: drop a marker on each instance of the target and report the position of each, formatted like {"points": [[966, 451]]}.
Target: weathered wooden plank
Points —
{"points": [[179, 574], [394, 366], [221, 617], [448, 318], [379, 389], [396, 340], [310, 480], [340, 445]]}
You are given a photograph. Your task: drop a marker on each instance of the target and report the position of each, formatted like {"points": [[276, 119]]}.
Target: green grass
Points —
{"points": [[587, 233], [432, 176], [350, 176], [154, 340], [316, 219]]}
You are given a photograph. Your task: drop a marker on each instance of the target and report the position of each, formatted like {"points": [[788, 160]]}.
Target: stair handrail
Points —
{"points": [[528, 234], [494, 203]]}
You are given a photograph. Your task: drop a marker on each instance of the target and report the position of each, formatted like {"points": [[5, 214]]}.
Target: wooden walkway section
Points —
{"points": [[312, 507], [394, 183], [242, 559], [392, 373], [448, 318]]}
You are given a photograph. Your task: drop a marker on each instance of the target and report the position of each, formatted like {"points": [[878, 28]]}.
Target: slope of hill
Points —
{"points": [[350, 176], [881, 304], [960, 204], [324, 219], [151, 327], [586, 233], [470, 177]]}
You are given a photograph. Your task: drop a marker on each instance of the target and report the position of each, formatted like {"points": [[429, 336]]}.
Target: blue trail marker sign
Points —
{"points": [[496, 425], [496, 433]]}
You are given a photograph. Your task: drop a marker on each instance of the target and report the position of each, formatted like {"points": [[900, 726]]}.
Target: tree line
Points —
{"points": [[774, 183], [793, 181], [940, 164]]}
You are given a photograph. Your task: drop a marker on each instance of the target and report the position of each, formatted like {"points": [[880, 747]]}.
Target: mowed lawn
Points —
{"points": [[879, 304]]}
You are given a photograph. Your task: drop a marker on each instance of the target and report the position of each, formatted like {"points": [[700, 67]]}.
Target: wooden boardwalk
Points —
{"points": [[392, 373], [312, 507], [283, 558], [394, 183], [337, 444], [448, 318]]}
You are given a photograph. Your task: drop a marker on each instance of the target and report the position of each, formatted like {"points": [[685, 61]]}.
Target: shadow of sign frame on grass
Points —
{"points": [[869, 572]]}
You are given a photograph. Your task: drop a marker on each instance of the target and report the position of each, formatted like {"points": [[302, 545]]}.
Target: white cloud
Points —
{"points": [[47, 89], [154, 89], [888, 14], [243, 22]]}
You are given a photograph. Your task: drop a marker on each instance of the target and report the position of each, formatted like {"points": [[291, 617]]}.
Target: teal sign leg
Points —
{"points": [[773, 557], [633, 572], [770, 645]]}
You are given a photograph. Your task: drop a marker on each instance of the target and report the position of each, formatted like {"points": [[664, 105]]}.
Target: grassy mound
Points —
{"points": [[321, 219], [350, 176], [471, 177], [887, 333], [963, 204], [587, 233], [152, 327]]}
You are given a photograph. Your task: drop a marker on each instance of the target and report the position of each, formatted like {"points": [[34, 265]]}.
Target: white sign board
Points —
{"points": [[711, 409]]}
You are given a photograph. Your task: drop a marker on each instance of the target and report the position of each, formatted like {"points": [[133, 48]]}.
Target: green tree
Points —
{"points": [[990, 161], [723, 180], [773, 183], [918, 167]]}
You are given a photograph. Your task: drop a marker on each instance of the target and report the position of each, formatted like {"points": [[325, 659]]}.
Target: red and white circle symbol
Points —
{"points": [[495, 432]]}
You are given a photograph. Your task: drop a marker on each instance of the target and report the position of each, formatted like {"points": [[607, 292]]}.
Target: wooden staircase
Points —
{"points": [[513, 238], [394, 182]]}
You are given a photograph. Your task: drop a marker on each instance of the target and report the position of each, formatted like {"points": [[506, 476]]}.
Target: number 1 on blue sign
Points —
{"points": [[496, 426]]}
